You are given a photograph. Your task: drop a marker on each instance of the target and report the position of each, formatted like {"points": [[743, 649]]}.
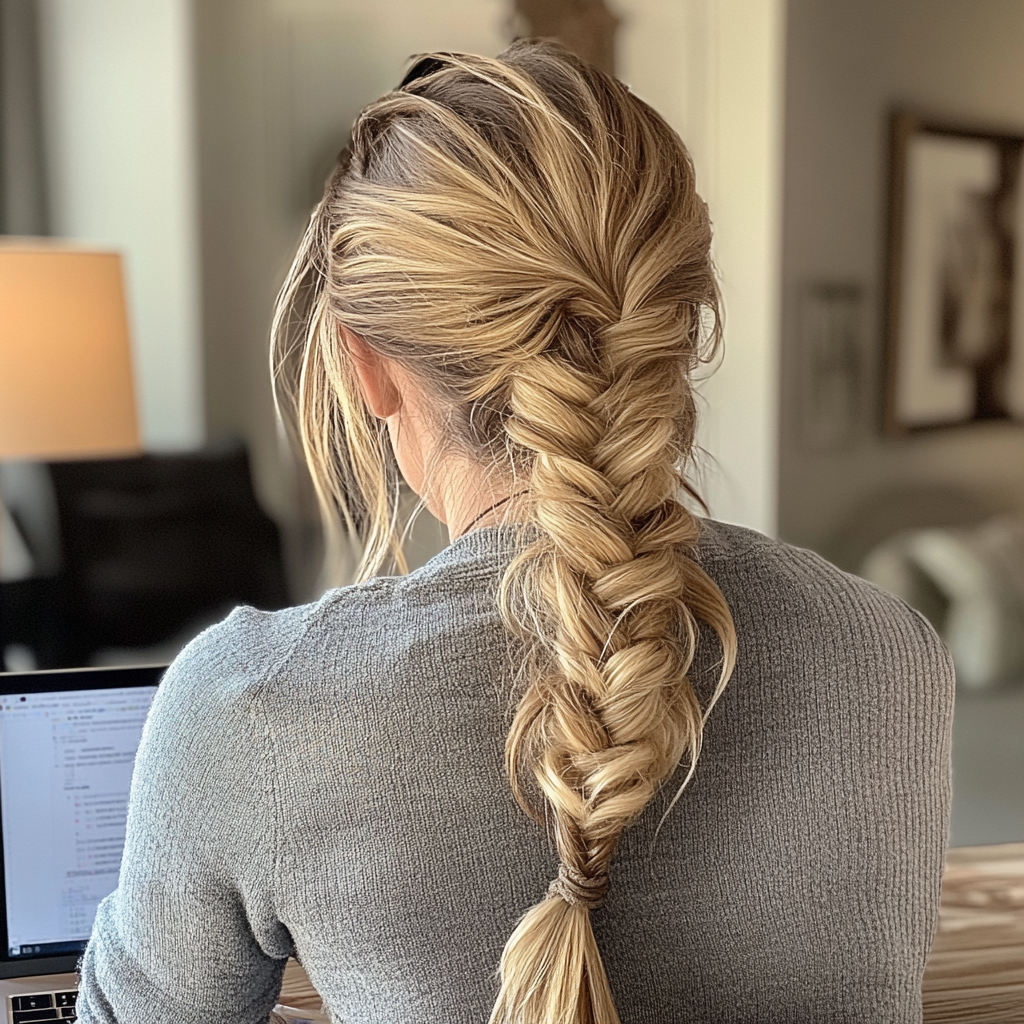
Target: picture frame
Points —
{"points": [[954, 321], [831, 364]]}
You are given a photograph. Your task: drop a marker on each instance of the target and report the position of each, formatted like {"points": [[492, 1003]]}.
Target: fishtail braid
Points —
{"points": [[612, 714]]}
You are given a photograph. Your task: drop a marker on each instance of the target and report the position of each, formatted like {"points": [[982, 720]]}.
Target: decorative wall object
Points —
{"points": [[955, 302], [831, 365], [585, 27]]}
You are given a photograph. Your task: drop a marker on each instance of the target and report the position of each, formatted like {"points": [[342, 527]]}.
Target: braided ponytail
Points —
{"points": [[612, 714], [524, 236]]}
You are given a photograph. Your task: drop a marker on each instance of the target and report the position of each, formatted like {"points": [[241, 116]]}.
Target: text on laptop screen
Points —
{"points": [[66, 763]]}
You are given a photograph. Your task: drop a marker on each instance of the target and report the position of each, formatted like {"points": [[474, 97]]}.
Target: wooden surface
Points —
{"points": [[297, 993], [975, 974]]}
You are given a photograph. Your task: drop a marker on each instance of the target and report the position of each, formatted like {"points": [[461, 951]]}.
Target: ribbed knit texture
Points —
{"points": [[328, 780]]}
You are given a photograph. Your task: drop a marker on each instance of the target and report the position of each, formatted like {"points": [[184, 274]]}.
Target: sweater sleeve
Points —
{"points": [[191, 934]]}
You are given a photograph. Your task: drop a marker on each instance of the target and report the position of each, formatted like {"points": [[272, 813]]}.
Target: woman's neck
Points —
{"points": [[471, 497]]}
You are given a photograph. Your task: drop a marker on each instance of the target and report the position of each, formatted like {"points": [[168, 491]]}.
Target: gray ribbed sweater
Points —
{"points": [[328, 780]]}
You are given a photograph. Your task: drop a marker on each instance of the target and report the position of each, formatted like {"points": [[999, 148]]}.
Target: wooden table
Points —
{"points": [[975, 973], [297, 993]]}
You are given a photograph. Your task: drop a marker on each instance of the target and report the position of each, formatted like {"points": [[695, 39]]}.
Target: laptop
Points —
{"points": [[67, 748]]}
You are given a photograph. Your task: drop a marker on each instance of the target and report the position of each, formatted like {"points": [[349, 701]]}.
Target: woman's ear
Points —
{"points": [[380, 391]]}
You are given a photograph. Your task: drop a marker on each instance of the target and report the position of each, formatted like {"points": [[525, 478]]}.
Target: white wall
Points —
{"points": [[118, 114], [714, 68], [848, 65]]}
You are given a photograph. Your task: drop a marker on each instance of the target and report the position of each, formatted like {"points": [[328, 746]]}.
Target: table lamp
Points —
{"points": [[65, 364]]}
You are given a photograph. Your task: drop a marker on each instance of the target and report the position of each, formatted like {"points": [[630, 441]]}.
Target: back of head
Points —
{"points": [[523, 235]]}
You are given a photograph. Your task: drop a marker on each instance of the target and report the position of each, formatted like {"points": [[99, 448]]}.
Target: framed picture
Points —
{"points": [[831, 370], [955, 277]]}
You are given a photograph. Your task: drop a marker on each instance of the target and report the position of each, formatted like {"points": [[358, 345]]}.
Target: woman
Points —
{"points": [[503, 296]]}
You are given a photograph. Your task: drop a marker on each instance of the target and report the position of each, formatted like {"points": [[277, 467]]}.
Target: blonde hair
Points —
{"points": [[523, 235]]}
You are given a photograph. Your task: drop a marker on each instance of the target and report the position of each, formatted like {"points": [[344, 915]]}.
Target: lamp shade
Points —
{"points": [[65, 365]]}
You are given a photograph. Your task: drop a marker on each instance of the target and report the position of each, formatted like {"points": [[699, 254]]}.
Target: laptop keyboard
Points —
{"points": [[45, 1006]]}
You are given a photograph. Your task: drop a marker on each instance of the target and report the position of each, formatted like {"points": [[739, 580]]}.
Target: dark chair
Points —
{"points": [[33, 614], [154, 545]]}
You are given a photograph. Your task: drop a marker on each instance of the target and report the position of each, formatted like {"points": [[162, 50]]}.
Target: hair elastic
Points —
{"points": [[577, 889]]}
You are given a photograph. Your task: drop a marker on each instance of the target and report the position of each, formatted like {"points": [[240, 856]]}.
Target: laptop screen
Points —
{"points": [[67, 749]]}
